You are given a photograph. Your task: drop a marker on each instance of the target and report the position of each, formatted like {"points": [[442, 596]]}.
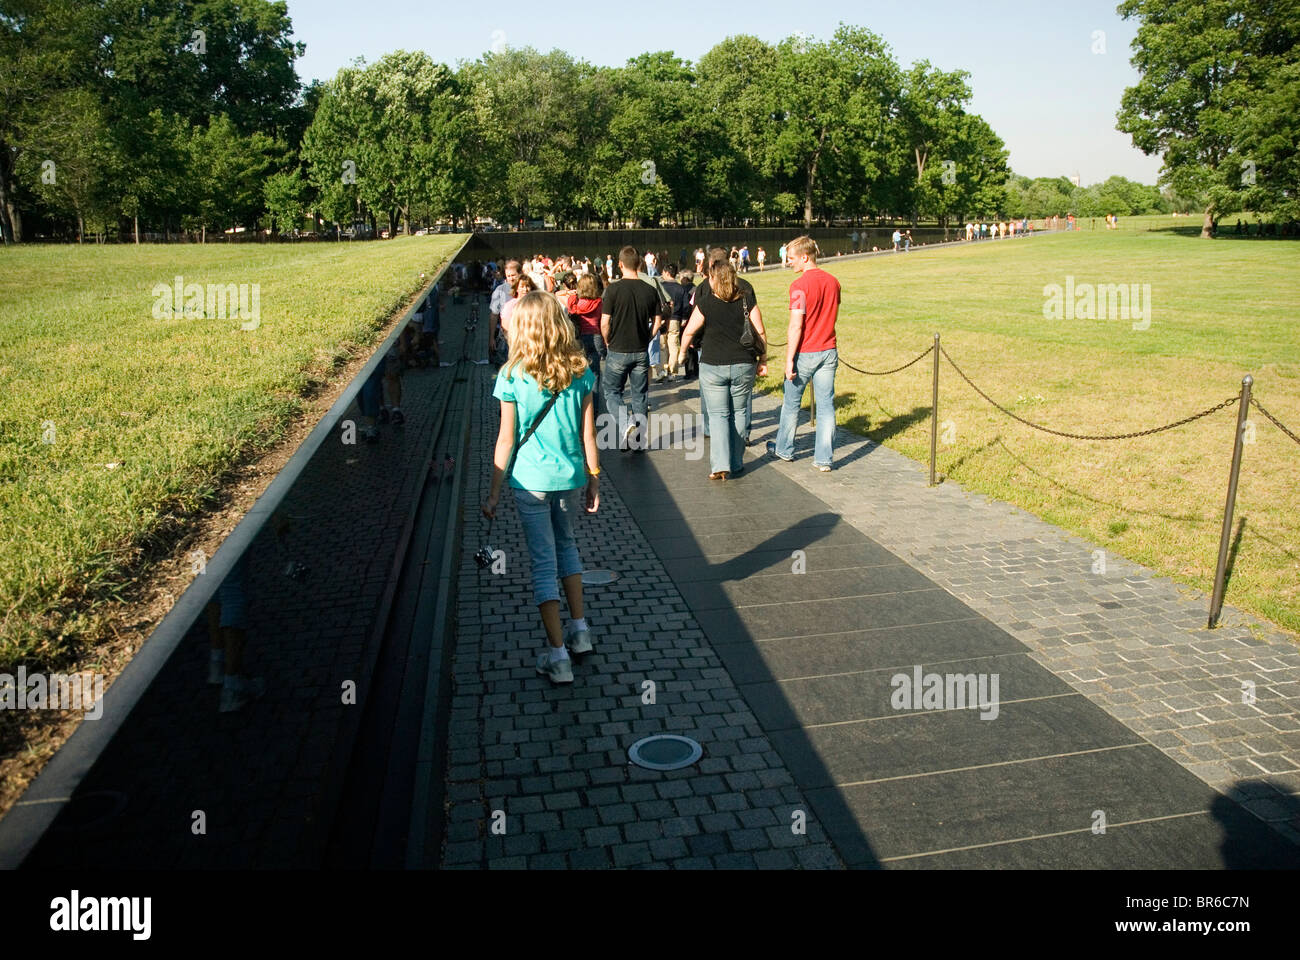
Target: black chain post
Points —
{"points": [[934, 409], [1225, 537]]}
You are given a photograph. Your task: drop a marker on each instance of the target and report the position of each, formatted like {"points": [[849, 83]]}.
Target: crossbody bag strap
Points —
{"points": [[532, 428], [510, 464]]}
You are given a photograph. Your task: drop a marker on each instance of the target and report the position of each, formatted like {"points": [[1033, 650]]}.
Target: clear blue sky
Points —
{"points": [[1034, 74]]}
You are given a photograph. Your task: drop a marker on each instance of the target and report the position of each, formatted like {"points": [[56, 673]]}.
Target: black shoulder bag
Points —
{"points": [[484, 556], [749, 338]]}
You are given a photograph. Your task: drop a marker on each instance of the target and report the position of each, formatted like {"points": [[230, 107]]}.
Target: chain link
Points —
{"points": [[884, 373], [1276, 422], [1082, 436], [876, 373]]}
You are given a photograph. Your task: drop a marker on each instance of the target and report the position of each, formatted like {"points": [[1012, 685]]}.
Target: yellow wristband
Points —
{"points": [[594, 473]]}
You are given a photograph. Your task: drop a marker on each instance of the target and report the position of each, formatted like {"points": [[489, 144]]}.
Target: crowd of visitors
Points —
{"points": [[578, 346]]}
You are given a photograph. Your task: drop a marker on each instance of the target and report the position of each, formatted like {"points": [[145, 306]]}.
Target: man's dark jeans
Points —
{"points": [[617, 369]]}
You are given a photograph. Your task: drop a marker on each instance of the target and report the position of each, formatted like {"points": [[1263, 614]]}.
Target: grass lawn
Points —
{"points": [[145, 414], [1220, 309]]}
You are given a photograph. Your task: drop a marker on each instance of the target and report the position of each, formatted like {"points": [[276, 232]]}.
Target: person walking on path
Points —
{"points": [[680, 298], [705, 291], [583, 307], [811, 355], [727, 368], [631, 313], [500, 294], [546, 382], [524, 284]]}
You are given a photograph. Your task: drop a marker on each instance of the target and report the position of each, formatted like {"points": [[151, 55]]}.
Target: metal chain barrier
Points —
{"points": [[1083, 436], [1275, 421], [874, 373], [1246, 401], [885, 373]]}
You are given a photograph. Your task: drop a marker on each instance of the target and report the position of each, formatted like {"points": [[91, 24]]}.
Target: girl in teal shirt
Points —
{"points": [[557, 468]]}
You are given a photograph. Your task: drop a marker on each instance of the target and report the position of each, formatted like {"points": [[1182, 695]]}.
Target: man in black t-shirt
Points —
{"points": [[631, 313]]}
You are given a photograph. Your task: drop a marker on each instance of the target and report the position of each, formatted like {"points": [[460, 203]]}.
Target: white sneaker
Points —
{"points": [[237, 691], [558, 671], [578, 641]]}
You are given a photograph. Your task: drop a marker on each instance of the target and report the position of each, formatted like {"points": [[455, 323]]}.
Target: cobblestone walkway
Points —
{"points": [[775, 614], [554, 760]]}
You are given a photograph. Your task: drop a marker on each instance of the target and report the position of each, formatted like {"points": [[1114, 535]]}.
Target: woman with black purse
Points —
{"points": [[732, 351]]}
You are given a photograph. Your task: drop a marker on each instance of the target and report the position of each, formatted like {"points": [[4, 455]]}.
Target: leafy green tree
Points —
{"points": [[66, 155], [1270, 139], [810, 111], [930, 116], [1207, 66], [283, 195], [735, 87], [527, 111], [226, 176], [47, 53], [976, 180]]}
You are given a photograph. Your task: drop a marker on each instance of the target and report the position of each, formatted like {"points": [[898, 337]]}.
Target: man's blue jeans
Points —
{"points": [[547, 517], [819, 368], [617, 369], [728, 388]]}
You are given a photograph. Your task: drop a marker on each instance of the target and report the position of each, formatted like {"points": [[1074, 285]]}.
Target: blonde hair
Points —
{"points": [[589, 286], [722, 278], [543, 343], [804, 245]]}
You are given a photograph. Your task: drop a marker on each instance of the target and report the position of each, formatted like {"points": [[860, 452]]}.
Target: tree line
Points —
{"points": [[164, 117]]}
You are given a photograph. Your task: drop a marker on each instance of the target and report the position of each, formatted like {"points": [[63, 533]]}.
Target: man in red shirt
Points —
{"points": [[811, 356]]}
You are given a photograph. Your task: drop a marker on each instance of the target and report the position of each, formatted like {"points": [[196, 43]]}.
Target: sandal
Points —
{"points": [[720, 475]]}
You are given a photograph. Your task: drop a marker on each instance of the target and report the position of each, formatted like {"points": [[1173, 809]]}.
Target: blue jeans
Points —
{"points": [[593, 345], [371, 397], [548, 527], [728, 388], [704, 404], [820, 369], [618, 369]]}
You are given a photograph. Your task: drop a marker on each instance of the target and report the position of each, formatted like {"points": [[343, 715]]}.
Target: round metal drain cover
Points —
{"points": [[665, 751], [598, 578]]}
